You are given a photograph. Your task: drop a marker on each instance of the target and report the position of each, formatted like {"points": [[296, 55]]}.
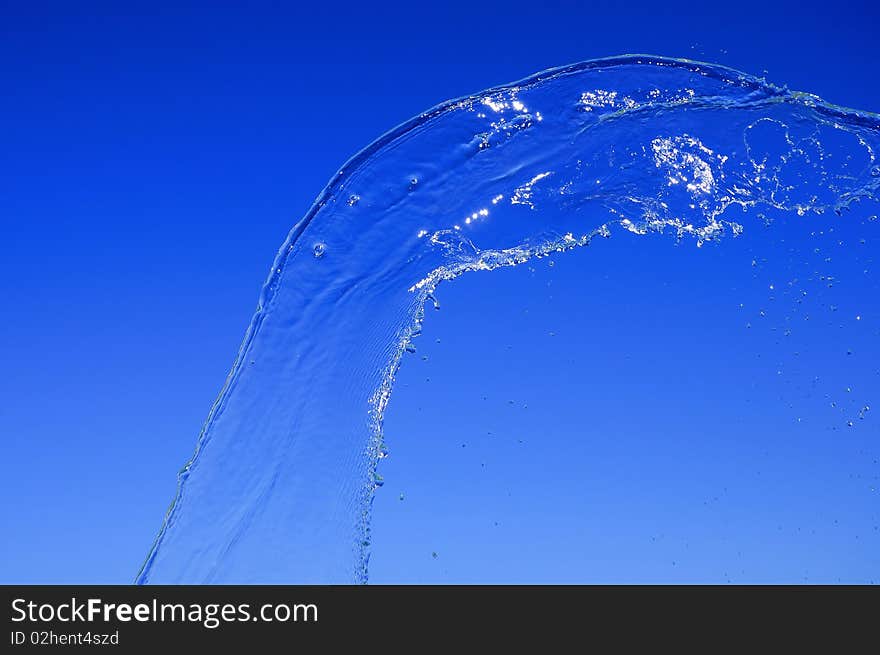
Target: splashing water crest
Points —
{"points": [[281, 483]]}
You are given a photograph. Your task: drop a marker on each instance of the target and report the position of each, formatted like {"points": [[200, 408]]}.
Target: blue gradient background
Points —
{"points": [[153, 159]]}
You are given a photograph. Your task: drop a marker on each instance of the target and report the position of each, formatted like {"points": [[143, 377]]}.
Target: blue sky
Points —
{"points": [[153, 159]]}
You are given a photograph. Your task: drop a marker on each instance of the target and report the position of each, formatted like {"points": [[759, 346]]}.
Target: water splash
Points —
{"points": [[280, 486]]}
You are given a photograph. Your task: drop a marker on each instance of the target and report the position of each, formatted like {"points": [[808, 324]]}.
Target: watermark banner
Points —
{"points": [[137, 619]]}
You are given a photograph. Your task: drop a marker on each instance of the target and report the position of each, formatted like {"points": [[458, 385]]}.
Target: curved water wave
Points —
{"points": [[280, 486]]}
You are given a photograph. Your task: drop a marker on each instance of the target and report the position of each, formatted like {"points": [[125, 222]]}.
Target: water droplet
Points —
{"points": [[353, 200], [318, 250]]}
